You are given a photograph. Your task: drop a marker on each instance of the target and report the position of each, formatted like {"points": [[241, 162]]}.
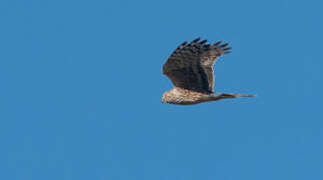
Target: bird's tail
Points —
{"points": [[244, 95], [230, 95]]}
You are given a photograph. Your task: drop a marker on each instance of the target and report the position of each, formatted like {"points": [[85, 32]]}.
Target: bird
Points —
{"points": [[190, 69]]}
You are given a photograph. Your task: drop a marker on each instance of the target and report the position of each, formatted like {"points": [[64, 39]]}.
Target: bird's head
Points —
{"points": [[165, 97], [171, 97]]}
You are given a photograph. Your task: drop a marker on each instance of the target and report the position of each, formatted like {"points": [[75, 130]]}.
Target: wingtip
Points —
{"points": [[196, 40], [224, 45], [227, 52], [203, 42], [228, 48], [184, 43], [217, 43]]}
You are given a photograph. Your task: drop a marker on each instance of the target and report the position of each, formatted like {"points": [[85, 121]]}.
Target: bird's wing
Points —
{"points": [[190, 66]]}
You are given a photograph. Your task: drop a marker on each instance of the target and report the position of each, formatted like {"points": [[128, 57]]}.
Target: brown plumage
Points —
{"points": [[190, 68]]}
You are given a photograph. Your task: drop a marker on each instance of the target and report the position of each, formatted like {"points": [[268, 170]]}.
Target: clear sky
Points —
{"points": [[81, 84]]}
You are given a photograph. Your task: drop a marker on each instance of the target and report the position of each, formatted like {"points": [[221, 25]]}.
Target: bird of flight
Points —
{"points": [[190, 68]]}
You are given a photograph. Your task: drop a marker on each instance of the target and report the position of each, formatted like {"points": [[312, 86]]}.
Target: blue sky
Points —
{"points": [[81, 85]]}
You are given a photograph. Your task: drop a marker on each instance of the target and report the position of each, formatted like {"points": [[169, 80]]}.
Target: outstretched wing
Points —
{"points": [[190, 66]]}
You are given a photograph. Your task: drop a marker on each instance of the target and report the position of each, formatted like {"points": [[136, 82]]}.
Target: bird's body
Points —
{"points": [[190, 68], [185, 97]]}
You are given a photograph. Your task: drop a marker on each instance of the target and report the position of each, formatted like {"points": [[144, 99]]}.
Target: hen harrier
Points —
{"points": [[190, 68]]}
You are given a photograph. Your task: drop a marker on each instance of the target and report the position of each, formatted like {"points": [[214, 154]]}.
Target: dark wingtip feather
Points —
{"points": [[228, 48], [223, 45], [184, 43], [217, 43], [181, 46], [196, 40], [203, 42]]}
